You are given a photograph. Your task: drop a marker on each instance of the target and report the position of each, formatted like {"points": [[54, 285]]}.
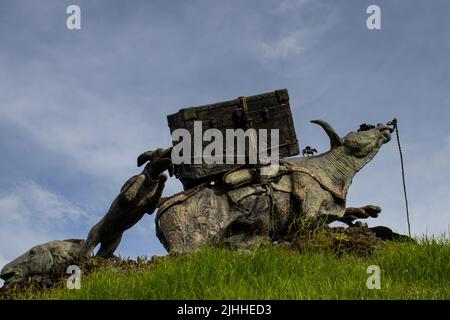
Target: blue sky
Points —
{"points": [[77, 107]]}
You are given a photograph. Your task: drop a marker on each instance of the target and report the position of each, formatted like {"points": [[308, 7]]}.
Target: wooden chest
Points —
{"points": [[269, 110]]}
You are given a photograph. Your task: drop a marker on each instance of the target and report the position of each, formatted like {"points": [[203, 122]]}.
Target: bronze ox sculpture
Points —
{"points": [[243, 207]]}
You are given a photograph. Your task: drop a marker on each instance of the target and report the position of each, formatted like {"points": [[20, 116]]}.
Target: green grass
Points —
{"points": [[408, 271]]}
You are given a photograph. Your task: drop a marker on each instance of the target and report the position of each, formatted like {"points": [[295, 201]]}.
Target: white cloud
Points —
{"points": [[301, 35], [287, 6], [103, 146], [293, 43], [31, 203]]}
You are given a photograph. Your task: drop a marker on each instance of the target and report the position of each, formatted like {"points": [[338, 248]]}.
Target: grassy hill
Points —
{"points": [[408, 271]]}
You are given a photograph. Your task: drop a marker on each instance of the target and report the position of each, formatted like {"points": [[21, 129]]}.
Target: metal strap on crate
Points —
{"points": [[248, 122]]}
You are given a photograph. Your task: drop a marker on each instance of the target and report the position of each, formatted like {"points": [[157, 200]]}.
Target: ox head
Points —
{"points": [[361, 146]]}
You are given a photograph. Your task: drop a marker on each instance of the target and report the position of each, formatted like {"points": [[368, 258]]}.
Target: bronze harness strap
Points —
{"points": [[341, 194], [165, 203]]}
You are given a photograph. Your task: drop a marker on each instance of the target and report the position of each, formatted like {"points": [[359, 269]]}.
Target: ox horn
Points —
{"points": [[335, 140]]}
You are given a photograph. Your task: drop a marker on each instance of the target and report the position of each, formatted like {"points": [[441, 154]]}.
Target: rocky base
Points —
{"points": [[360, 241]]}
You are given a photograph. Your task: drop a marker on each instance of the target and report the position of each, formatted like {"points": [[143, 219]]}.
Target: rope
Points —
{"points": [[403, 176]]}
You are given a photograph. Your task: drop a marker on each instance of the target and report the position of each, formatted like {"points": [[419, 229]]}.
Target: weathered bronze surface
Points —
{"points": [[308, 187]]}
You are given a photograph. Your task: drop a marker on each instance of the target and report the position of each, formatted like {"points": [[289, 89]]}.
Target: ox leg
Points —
{"points": [[352, 214]]}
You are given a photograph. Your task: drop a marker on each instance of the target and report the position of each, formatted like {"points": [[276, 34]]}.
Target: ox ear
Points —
{"points": [[335, 140]]}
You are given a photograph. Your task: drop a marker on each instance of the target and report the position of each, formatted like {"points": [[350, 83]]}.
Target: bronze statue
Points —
{"points": [[309, 187]]}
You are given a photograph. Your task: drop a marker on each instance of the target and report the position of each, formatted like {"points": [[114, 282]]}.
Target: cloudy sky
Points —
{"points": [[78, 106]]}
